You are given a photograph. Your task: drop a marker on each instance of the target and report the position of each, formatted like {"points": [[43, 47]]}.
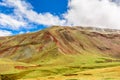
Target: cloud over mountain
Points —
{"points": [[99, 13]]}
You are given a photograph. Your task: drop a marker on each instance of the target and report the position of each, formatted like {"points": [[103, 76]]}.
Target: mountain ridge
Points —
{"points": [[66, 40]]}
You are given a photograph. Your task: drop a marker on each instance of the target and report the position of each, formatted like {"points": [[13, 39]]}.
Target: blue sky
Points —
{"points": [[55, 7], [23, 16]]}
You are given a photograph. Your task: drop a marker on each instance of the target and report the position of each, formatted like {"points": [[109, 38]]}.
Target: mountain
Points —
{"points": [[60, 51], [56, 41]]}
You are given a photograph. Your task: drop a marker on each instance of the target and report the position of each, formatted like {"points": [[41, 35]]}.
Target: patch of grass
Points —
{"points": [[70, 74], [87, 74], [67, 66], [51, 77], [71, 79], [109, 79]]}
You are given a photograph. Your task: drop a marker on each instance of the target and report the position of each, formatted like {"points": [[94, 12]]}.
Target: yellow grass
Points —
{"points": [[112, 73]]}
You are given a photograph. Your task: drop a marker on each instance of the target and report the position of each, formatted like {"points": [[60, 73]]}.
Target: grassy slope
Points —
{"points": [[75, 67], [112, 73], [7, 66]]}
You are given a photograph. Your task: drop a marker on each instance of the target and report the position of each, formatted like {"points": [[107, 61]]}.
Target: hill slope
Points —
{"points": [[56, 41], [61, 53]]}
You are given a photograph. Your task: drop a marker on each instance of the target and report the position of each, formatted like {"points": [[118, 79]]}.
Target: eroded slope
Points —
{"points": [[56, 41]]}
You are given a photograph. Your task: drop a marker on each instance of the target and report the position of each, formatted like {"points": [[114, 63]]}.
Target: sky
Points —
{"points": [[24, 16]]}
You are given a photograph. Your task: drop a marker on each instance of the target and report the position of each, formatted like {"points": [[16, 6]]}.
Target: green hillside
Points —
{"points": [[61, 53]]}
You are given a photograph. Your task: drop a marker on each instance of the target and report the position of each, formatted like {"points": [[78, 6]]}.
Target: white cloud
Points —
{"points": [[23, 11], [116, 1], [7, 20], [99, 13], [5, 33]]}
